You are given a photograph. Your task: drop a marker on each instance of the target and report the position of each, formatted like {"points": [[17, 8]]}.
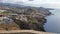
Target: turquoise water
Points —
{"points": [[53, 22]]}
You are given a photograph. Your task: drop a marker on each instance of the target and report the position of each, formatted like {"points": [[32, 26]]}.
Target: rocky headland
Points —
{"points": [[22, 18]]}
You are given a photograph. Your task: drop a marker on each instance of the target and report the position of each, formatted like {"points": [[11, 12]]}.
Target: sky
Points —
{"points": [[44, 3]]}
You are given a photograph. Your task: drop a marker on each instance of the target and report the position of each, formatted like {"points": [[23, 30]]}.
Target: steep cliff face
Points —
{"points": [[35, 23]]}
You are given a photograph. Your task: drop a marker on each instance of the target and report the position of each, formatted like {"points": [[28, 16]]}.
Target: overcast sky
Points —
{"points": [[44, 3]]}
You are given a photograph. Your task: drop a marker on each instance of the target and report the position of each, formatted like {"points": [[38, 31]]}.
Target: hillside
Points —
{"points": [[15, 17]]}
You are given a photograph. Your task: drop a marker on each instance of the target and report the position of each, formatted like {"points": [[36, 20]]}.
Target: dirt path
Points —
{"points": [[25, 31]]}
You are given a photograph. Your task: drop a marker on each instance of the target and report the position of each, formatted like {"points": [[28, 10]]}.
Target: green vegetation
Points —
{"points": [[5, 12], [32, 20], [5, 26]]}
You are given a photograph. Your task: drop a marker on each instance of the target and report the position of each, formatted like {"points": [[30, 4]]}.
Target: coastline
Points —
{"points": [[24, 18]]}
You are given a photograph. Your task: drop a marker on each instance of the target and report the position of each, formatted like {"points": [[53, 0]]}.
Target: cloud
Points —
{"points": [[53, 5], [31, 2], [45, 3]]}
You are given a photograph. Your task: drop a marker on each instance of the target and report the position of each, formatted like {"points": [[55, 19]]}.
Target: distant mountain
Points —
{"points": [[19, 6], [11, 5], [50, 9], [42, 10]]}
